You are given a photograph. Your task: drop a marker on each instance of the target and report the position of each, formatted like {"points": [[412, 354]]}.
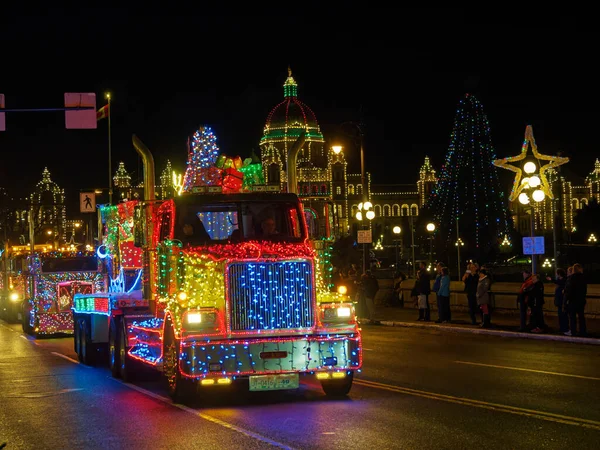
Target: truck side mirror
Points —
{"points": [[138, 226]]}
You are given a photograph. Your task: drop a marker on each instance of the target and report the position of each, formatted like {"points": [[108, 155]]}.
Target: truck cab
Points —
{"points": [[52, 280]]}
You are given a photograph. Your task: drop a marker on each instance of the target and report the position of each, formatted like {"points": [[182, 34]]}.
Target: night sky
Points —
{"points": [[405, 69]]}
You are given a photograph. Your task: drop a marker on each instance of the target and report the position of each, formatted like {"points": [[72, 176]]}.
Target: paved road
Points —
{"points": [[419, 389]]}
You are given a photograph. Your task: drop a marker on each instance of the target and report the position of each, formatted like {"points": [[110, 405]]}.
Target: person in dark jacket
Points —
{"points": [[370, 288], [470, 279], [535, 300], [575, 296], [523, 298], [559, 299], [424, 289], [483, 297]]}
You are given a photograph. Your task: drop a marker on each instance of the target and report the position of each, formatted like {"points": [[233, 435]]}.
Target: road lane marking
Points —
{"points": [[60, 355], [214, 420], [43, 394], [528, 370], [30, 340], [550, 417]]}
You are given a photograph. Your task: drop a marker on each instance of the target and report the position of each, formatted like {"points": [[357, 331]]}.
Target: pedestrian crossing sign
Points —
{"points": [[87, 202]]}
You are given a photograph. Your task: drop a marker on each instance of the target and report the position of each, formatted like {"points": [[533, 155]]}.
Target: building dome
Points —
{"points": [[290, 117]]}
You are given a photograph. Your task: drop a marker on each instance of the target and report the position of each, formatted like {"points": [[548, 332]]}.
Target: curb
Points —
{"points": [[489, 332]]}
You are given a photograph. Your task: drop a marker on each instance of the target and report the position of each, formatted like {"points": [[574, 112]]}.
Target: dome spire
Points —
{"points": [[290, 88]]}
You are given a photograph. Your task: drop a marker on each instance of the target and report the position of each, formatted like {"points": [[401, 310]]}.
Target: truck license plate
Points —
{"points": [[274, 382]]}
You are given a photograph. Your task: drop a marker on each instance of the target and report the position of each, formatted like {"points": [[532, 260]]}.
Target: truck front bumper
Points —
{"points": [[261, 356]]}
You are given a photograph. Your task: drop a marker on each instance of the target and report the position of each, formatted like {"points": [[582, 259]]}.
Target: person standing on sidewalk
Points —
{"points": [[470, 279], [575, 295], [523, 298], [483, 297], [436, 289], [444, 296], [559, 299], [536, 303], [370, 288], [424, 289]]}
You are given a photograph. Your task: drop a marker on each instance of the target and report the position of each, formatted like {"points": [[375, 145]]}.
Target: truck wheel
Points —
{"points": [[76, 338], [26, 327], [338, 388], [114, 354], [85, 346], [180, 389], [126, 369]]}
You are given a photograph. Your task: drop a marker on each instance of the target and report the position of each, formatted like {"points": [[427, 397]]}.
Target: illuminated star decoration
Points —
{"points": [[554, 161]]}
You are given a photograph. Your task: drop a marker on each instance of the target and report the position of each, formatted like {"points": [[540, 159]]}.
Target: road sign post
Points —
{"points": [[2, 115], [364, 237], [533, 245], [87, 202]]}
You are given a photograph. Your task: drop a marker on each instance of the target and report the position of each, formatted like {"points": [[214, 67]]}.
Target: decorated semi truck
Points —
{"points": [[12, 285], [52, 280], [216, 287]]}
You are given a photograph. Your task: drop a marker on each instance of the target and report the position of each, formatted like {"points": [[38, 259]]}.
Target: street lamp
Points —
{"points": [[592, 238], [337, 149], [397, 230], [430, 228], [531, 183], [365, 211]]}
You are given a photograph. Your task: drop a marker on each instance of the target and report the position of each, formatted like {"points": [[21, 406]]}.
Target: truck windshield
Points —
{"points": [[231, 222], [76, 264]]}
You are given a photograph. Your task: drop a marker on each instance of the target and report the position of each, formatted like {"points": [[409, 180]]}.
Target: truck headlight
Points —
{"points": [[14, 296], [193, 317], [344, 311]]}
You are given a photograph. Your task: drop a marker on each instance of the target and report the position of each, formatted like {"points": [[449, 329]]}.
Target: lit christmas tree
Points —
{"points": [[468, 188], [202, 156]]}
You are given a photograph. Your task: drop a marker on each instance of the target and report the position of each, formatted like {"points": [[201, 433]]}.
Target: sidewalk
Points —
{"points": [[504, 324]]}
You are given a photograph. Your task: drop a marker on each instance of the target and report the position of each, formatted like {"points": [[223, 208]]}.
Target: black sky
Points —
{"points": [[406, 69]]}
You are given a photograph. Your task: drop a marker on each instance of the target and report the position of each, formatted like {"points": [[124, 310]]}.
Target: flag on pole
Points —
{"points": [[102, 113]]}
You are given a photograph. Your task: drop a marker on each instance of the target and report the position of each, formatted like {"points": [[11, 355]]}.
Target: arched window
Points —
{"points": [[377, 209], [315, 189], [305, 189], [575, 203], [359, 189], [584, 202], [396, 210], [414, 210], [405, 210], [338, 190], [386, 210], [354, 209], [350, 189], [323, 189]]}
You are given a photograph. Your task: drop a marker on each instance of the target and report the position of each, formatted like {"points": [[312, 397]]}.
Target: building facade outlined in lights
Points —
{"points": [[329, 193]]}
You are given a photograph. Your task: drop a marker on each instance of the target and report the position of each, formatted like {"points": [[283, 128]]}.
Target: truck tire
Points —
{"points": [[86, 348], [76, 337], [180, 389], [126, 369], [26, 318], [114, 354], [338, 388]]}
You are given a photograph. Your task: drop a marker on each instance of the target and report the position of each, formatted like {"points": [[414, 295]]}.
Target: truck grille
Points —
{"points": [[271, 295]]}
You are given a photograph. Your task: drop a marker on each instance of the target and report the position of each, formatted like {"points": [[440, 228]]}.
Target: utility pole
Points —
{"points": [[412, 243], [458, 249]]}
